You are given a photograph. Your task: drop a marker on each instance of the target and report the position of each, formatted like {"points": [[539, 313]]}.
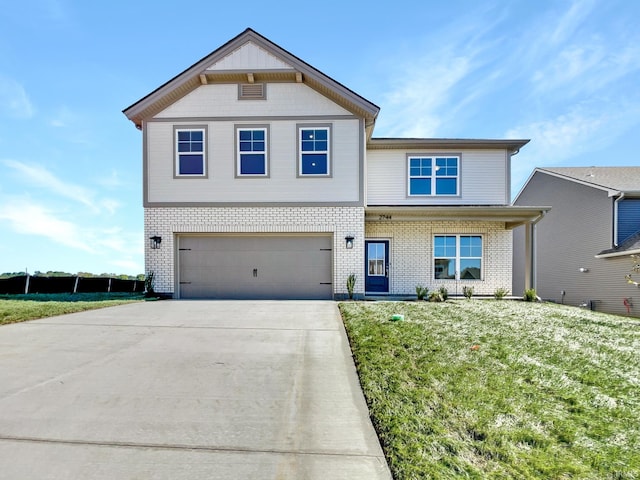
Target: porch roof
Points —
{"points": [[513, 216]]}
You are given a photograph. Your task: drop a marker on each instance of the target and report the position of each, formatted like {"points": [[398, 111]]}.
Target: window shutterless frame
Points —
{"points": [[190, 151], [457, 257], [314, 150], [252, 151], [431, 175]]}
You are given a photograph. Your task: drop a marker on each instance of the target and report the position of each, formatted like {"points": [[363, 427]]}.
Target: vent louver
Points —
{"points": [[249, 91]]}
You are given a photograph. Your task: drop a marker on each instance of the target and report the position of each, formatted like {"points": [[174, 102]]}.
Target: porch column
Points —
{"points": [[529, 260]]}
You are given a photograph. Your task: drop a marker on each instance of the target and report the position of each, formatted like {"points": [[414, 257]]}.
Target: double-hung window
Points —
{"points": [[433, 175], [313, 151], [457, 257], [190, 157], [252, 151]]}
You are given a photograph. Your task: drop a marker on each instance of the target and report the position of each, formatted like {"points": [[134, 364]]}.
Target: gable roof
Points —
{"points": [[248, 58], [615, 180]]}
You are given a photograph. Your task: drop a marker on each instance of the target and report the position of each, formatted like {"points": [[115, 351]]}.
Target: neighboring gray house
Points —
{"points": [[262, 180], [582, 246]]}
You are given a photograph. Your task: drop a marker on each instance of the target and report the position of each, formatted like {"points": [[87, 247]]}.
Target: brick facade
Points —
{"points": [[411, 253], [168, 222]]}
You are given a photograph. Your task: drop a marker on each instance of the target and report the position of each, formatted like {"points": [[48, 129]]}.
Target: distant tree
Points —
{"points": [[12, 274], [635, 271]]}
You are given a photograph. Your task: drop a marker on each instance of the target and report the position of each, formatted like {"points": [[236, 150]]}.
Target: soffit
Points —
{"points": [[512, 216], [426, 143]]}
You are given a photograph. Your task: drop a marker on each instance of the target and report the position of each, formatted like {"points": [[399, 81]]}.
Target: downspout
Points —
{"points": [[615, 219], [530, 280]]}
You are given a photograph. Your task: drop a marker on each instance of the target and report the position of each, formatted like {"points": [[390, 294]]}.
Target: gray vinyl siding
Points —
{"points": [[483, 178], [578, 227]]}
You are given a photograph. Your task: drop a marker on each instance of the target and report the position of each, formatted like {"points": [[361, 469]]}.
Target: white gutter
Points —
{"points": [[615, 219]]}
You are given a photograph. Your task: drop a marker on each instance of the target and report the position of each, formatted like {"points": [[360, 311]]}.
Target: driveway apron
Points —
{"points": [[185, 390]]}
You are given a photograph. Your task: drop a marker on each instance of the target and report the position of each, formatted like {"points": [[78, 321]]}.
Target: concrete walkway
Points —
{"points": [[185, 390]]}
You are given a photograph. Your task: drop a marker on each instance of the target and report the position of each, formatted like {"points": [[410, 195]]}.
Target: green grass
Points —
{"points": [[500, 389], [19, 308]]}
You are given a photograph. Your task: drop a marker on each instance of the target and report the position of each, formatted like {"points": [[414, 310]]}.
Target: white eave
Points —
{"points": [[512, 146], [512, 216]]}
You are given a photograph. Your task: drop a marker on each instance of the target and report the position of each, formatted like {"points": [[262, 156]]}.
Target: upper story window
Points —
{"points": [[433, 175], [313, 151], [457, 257], [252, 148], [190, 155]]}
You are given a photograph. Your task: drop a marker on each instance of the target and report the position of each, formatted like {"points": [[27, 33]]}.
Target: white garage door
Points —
{"points": [[255, 267]]}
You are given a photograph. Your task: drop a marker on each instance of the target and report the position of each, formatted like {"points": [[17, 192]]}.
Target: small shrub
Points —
{"points": [[500, 293], [435, 296], [351, 283], [467, 292], [530, 295], [148, 284], [444, 293], [421, 292]]}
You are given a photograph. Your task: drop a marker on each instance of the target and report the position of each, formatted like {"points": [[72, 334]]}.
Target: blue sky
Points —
{"points": [[565, 74]]}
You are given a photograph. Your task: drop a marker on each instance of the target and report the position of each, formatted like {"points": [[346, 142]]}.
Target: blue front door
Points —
{"points": [[376, 265]]}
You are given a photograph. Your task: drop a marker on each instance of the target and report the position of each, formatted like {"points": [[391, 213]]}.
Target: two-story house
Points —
{"points": [[262, 180], [583, 246]]}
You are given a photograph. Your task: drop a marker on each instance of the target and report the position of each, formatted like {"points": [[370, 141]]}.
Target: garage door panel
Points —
{"points": [[267, 267]]}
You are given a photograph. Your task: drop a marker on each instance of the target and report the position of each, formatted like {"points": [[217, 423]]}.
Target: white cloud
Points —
{"points": [[567, 25], [41, 177], [14, 101], [63, 118], [414, 107], [113, 180], [24, 216], [33, 219]]}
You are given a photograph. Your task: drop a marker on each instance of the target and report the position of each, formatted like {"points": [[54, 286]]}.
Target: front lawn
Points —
{"points": [[19, 308], [500, 389]]}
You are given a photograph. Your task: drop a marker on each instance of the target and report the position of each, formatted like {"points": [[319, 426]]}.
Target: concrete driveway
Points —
{"points": [[185, 390]]}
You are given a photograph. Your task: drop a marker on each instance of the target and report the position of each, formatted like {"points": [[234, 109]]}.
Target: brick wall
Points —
{"points": [[168, 222], [411, 252]]}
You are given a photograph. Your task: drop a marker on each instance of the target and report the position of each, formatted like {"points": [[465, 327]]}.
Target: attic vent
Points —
{"points": [[251, 91]]}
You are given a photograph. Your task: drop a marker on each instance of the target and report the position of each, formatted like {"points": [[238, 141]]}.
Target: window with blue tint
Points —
{"points": [[252, 151], [433, 175], [190, 152], [314, 151], [457, 257], [420, 186]]}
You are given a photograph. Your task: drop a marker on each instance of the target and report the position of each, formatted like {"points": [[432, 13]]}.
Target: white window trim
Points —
{"points": [[241, 128], [176, 153], [326, 127], [433, 177], [458, 257]]}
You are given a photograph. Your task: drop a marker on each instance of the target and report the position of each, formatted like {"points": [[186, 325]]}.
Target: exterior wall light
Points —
{"points": [[583, 270], [155, 242], [349, 242]]}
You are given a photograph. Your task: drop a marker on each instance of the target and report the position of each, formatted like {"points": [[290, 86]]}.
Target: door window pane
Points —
{"points": [[376, 258]]}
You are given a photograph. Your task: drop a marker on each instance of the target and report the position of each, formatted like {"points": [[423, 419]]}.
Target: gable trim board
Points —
{"points": [[189, 80], [222, 211]]}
